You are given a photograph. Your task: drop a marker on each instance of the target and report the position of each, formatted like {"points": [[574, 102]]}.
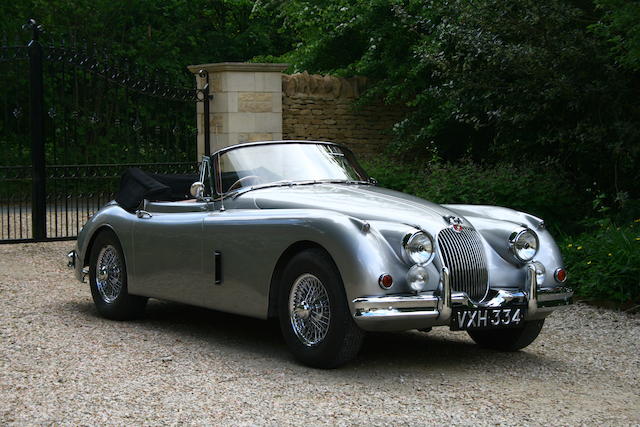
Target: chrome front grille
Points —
{"points": [[463, 254]]}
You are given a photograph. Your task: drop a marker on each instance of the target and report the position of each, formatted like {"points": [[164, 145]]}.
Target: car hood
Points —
{"points": [[364, 202]]}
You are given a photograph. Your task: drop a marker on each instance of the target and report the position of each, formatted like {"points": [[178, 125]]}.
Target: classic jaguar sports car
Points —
{"points": [[297, 230]]}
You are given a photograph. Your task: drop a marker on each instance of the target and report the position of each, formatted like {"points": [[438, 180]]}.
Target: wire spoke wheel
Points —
{"points": [[309, 309], [109, 274]]}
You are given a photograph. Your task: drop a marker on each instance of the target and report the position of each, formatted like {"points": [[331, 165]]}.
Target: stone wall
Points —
{"points": [[321, 108]]}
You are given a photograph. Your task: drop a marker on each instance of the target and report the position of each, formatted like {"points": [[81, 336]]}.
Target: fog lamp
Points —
{"points": [[417, 277], [540, 272]]}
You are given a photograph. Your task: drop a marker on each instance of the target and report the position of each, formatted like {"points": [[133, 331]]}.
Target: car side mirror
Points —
{"points": [[373, 181], [197, 190]]}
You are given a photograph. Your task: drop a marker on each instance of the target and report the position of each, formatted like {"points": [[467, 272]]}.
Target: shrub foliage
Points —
{"points": [[542, 190], [605, 263]]}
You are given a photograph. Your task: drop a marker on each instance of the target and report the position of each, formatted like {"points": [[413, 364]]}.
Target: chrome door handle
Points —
{"points": [[143, 214]]}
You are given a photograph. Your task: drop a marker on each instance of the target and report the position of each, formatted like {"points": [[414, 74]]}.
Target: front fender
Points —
{"points": [[252, 241]]}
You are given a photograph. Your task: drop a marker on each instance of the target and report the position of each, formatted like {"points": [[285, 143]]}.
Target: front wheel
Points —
{"points": [[508, 339], [314, 316], [108, 280]]}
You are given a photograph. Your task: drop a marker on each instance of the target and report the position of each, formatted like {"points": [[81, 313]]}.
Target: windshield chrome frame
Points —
{"points": [[281, 141]]}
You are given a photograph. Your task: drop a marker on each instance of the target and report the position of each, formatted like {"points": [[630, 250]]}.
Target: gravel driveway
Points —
{"points": [[61, 364]]}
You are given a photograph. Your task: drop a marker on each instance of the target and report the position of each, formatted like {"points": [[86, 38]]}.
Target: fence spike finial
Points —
{"points": [[35, 28]]}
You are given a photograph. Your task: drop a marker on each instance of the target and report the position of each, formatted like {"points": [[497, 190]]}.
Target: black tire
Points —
{"points": [[111, 303], [343, 338], [508, 339]]}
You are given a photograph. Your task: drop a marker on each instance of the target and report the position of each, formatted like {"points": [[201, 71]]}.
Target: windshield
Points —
{"points": [[289, 162]]}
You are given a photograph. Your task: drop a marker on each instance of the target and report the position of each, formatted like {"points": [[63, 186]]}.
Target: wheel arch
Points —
{"points": [[281, 264], [98, 231]]}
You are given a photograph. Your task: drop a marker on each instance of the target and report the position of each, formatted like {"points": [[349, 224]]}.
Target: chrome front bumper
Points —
{"points": [[72, 258], [426, 309], [74, 263]]}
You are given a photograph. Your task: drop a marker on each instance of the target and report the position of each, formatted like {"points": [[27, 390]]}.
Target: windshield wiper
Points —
{"points": [[289, 183], [283, 183], [342, 181]]}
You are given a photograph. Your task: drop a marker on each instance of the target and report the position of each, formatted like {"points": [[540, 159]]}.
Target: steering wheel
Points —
{"points": [[241, 182]]}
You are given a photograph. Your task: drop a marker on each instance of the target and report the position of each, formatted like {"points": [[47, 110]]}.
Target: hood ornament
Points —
{"points": [[454, 221]]}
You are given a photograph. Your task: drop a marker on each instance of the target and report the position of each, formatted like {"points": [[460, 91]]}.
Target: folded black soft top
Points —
{"points": [[137, 185]]}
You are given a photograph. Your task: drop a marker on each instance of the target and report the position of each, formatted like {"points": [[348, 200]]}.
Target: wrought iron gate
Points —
{"points": [[73, 124]]}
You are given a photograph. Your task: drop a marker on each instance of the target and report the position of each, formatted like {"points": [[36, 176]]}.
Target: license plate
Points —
{"points": [[486, 318]]}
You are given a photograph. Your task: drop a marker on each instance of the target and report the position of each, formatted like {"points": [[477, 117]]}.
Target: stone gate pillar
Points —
{"points": [[246, 105]]}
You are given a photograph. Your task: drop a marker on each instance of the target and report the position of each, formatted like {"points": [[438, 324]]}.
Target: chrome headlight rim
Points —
{"points": [[518, 235], [424, 257]]}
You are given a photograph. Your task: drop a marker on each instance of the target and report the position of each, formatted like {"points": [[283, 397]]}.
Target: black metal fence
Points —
{"points": [[73, 119]]}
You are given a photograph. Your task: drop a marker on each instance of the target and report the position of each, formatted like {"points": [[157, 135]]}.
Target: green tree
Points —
{"points": [[518, 81], [620, 26], [166, 35]]}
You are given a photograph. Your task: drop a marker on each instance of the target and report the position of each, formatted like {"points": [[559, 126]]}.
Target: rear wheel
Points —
{"points": [[314, 316], [508, 339], [108, 280]]}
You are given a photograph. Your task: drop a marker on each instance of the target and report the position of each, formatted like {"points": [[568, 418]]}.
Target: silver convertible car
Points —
{"points": [[298, 231]]}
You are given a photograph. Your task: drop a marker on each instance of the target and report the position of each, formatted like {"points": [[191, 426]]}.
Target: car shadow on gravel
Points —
{"points": [[181, 321], [415, 349], [263, 339]]}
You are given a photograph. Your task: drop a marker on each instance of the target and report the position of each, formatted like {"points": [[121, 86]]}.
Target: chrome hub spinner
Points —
{"points": [[303, 310], [103, 274]]}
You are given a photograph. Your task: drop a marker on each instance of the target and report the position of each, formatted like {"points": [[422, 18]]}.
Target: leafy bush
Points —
{"points": [[541, 190], [604, 264], [394, 174]]}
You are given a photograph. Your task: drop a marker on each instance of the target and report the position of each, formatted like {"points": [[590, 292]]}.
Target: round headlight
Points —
{"points": [[524, 244], [419, 247]]}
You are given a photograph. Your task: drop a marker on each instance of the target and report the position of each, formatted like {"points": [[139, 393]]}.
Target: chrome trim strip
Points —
{"points": [[398, 315], [397, 302]]}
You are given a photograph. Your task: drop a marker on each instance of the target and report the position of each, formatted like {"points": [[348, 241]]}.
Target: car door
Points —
{"points": [[167, 256]]}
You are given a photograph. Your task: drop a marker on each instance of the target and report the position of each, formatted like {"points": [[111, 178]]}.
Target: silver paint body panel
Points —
{"points": [[170, 254]]}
